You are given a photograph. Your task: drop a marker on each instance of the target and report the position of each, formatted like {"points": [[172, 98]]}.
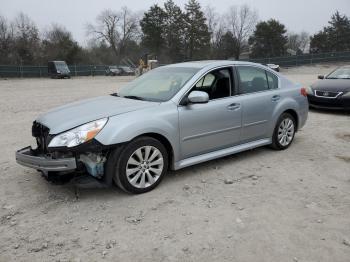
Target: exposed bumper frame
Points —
{"points": [[25, 157]]}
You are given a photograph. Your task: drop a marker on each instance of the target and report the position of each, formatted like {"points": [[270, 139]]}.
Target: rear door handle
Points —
{"points": [[234, 106], [275, 98]]}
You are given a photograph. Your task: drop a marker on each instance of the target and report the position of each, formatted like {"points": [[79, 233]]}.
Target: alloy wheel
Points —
{"points": [[286, 132], [144, 166]]}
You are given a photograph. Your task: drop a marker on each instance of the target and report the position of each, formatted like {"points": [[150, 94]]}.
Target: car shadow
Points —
{"points": [[217, 164], [196, 170]]}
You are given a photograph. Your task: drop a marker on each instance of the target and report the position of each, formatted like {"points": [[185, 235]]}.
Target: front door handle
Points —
{"points": [[234, 106], [275, 98]]}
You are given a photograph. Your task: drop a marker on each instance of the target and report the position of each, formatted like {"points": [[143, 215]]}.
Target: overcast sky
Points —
{"points": [[297, 15]]}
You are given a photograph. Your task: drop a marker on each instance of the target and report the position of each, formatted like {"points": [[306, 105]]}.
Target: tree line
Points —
{"points": [[170, 34]]}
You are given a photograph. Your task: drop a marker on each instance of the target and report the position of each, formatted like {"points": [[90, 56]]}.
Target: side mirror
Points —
{"points": [[320, 77], [198, 97]]}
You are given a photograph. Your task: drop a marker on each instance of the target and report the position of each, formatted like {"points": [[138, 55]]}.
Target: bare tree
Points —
{"points": [[6, 40], [27, 41], [56, 33], [304, 41], [241, 21], [298, 43], [212, 21], [116, 29], [219, 31], [293, 43], [6, 30], [129, 28], [217, 28]]}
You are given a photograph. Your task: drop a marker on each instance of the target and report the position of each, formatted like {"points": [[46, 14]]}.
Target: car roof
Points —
{"points": [[210, 63]]}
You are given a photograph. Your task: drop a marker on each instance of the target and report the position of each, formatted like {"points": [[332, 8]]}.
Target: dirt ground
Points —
{"points": [[281, 206]]}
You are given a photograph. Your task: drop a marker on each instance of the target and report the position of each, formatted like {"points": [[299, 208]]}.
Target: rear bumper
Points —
{"points": [[26, 157]]}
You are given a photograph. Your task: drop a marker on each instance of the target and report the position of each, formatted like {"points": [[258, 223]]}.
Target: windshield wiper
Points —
{"points": [[114, 94], [134, 97]]}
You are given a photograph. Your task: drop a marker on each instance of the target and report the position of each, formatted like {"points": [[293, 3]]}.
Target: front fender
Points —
{"points": [[162, 120]]}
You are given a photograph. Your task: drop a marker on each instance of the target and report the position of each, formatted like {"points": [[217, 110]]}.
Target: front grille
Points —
{"points": [[327, 94], [41, 134]]}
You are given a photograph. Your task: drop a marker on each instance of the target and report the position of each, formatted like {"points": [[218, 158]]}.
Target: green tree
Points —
{"points": [[133, 52], [99, 53], [59, 44], [197, 36], [269, 39], [153, 26], [320, 42], [174, 31], [335, 37], [225, 46]]}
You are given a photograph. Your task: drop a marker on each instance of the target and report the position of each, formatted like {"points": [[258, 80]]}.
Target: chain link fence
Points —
{"points": [[42, 71], [305, 59], [97, 70]]}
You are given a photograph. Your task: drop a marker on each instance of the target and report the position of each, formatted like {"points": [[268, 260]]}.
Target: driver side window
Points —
{"points": [[217, 84], [206, 81]]}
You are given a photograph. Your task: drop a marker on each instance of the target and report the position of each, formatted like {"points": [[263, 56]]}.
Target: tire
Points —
{"points": [[133, 171], [284, 132]]}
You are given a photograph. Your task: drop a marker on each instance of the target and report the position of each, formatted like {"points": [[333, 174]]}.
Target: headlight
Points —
{"points": [[58, 72], [79, 134], [309, 90]]}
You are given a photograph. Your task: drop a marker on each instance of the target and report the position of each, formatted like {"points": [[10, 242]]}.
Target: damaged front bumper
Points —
{"points": [[45, 163]]}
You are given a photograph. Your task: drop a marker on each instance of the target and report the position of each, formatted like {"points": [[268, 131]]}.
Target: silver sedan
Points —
{"points": [[170, 118]]}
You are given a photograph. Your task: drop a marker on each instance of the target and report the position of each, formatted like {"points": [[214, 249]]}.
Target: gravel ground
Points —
{"points": [[260, 205]]}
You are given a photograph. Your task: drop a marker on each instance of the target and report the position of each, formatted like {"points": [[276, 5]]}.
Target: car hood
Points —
{"points": [[334, 85], [78, 113]]}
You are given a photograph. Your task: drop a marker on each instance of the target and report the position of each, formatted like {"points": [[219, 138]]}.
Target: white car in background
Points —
{"points": [[274, 67]]}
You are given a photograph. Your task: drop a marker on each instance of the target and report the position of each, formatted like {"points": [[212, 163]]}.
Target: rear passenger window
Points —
{"points": [[272, 79], [251, 79]]}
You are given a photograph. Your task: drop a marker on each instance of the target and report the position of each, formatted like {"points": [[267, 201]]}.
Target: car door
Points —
{"points": [[213, 125], [259, 96]]}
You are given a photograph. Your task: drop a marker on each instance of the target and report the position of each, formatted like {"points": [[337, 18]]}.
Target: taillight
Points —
{"points": [[303, 91]]}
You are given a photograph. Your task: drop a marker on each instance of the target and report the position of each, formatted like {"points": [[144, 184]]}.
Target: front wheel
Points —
{"points": [[140, 166], [284, 132]]}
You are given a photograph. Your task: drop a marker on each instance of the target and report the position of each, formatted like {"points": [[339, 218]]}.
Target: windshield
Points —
{"points": [[61, 66], [340, 73], [159, 84]]}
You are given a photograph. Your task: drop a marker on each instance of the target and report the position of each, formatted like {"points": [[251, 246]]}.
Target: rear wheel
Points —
{"points": [[141, 165], [284, 132]]}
